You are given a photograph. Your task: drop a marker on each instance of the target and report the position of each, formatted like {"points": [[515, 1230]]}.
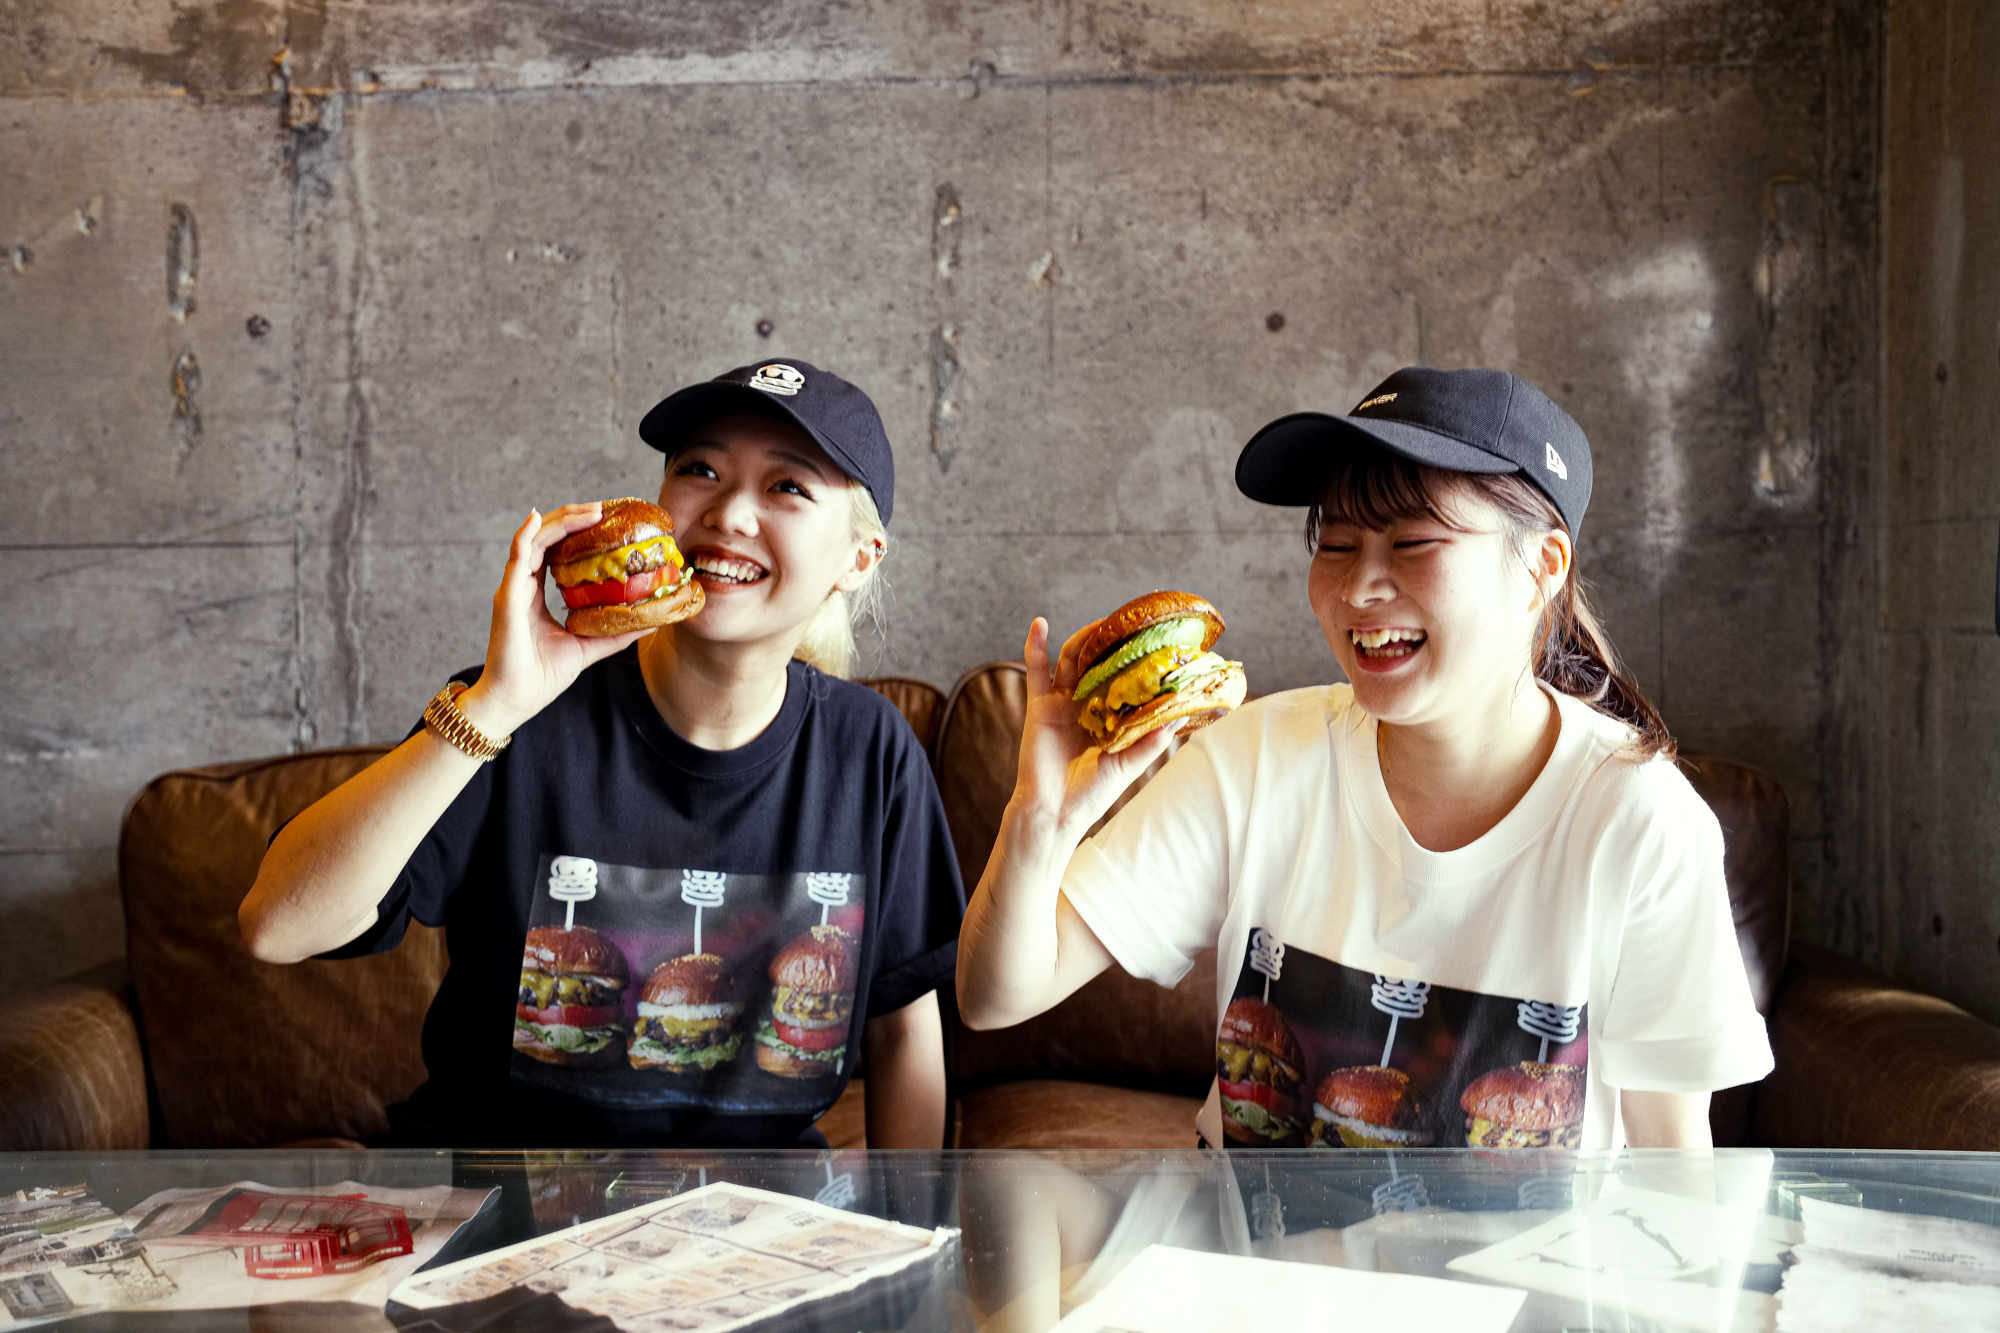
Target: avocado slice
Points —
{"points": [[1187, 633]]}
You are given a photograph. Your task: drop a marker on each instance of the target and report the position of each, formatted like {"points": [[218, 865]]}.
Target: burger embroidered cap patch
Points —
{"points": [[778, 379]]}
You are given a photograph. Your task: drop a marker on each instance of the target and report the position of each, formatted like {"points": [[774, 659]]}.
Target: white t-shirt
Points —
{"points": [[1589, 930]]}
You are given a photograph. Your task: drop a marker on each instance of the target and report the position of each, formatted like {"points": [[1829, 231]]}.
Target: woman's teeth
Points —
{"points": [[727, 571], [1387, 642]]}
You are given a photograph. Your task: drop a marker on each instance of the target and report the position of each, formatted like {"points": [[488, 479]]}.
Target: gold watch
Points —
{"points": [[442, 715]]}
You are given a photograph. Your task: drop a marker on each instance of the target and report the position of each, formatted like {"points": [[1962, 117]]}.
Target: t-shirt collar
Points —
{"points": [[628, 693], [1361, 773]]}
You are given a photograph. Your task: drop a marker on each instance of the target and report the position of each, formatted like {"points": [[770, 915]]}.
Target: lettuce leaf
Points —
{"points": [[576, 1041], [1257, 1120], [708, 1057]]}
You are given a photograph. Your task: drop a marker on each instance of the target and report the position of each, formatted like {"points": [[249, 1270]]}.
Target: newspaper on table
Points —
{"points": [[1863, 1268], [716, 1258], [63, 1253], [249, 1244]]}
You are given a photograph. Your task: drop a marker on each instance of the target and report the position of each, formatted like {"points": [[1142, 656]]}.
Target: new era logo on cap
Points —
{"points": [[778, 379], [1555, 461]]}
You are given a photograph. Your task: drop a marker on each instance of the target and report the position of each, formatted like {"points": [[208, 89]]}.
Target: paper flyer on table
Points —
{"points": [[1643, 1252], [716, 1258], [1168, 1290], [1864, 1268], [63, 1253], [249, 1244]]}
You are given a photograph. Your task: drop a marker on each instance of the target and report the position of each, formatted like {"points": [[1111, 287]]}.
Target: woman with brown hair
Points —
{"points": [[1465, 898]]}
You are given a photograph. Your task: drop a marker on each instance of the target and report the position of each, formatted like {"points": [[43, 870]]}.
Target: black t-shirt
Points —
{"points": [[620, 845]]}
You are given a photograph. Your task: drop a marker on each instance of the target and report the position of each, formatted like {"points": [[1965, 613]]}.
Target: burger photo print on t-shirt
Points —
{"points": [[644, 988], [1311, 1053]]}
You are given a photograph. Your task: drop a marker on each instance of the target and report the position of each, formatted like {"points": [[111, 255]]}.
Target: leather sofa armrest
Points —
{"points": [[1863, 1062], [72, 1071]]}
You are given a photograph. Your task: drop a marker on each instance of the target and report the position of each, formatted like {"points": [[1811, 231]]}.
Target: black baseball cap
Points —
{"points": [[839, 417], [1461, 420]]}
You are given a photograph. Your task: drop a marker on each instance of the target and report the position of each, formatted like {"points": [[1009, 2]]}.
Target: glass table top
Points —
{"points": [[1600, 1241]]}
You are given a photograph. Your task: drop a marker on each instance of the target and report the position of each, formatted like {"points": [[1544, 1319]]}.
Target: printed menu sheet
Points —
{"points": [[63, 1253], [716, 1258]]}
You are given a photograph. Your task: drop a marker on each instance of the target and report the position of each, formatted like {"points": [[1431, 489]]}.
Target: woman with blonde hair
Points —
{"points": [[689, 874]]}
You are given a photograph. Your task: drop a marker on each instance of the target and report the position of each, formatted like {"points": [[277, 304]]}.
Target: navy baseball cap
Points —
{"points": [[839, 417], [1461, 420]]}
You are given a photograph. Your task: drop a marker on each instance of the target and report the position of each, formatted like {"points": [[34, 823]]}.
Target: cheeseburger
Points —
{"points": [[805, 1034], [1148, 663], [688, 1017], [1528, 1105], [571, 1009], [1367, 1106], [1258, 1067], [625, 573]]}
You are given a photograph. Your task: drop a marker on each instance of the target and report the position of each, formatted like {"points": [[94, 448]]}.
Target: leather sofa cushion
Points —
{"points": [[920, 703], [1756, 819], [1863, 1062], [72, 1075], [1059, 1113], [244, 1053]]}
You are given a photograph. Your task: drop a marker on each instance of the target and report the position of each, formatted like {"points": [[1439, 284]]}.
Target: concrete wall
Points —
{"points": [[309, 303], [1938, 667]]}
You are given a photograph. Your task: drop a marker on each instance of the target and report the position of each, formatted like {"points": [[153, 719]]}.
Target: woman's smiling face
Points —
{"points": [[1428, 619], [765, 519]]}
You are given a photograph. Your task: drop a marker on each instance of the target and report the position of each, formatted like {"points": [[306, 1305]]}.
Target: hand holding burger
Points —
{"points": [[624, 573], [1148, 663]]}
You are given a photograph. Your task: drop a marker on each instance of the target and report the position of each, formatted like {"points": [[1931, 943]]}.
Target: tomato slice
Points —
{"points": [[613, 591], [1263, 1094], [572, 1015], [811, 1039]]}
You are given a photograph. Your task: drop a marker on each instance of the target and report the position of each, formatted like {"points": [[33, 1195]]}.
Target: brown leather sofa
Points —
{"points": [[190, 1043]]}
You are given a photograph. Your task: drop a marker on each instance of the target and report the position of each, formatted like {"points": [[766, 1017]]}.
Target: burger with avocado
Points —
{"points": [[689, 1017], [571, 1008], [1258, 1069], [1367, 1106], [1148, 663], [805, 1034], [624, 573], [1529, 1105]]}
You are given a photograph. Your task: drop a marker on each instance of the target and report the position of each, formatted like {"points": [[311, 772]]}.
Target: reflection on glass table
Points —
{"points": [[1149, 1242]]}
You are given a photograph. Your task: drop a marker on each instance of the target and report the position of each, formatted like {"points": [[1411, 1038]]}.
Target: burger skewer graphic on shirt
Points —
{"points": [[1533, 1104], [571, 1007], [1375, 1106], [812, 1005], [690, 1012], [1258, 1063]]}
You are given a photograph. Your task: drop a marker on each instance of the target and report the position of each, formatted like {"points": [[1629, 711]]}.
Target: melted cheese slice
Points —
{"points": [[610, 565]]}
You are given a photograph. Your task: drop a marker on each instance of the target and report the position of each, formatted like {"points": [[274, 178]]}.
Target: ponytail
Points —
{"points": [[1374, 488]]}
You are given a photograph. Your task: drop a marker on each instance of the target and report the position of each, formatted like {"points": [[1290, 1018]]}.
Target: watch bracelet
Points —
{"points": [[442, 715]]}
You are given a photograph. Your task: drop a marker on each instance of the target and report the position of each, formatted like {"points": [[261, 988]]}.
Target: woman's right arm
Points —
{"points": [[1023, 948], [327, 871]]}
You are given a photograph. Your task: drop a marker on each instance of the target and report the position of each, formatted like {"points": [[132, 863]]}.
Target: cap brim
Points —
{"points": [[667, 425], [1287, 462]]}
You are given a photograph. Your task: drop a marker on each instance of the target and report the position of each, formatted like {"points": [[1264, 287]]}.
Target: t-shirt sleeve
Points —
{"points": [[922, 900], [1679, 1016], [424, 888], [1153, 883]]}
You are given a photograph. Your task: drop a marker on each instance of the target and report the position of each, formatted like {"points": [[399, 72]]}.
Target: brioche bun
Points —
{"points": [[1141, 612], [1208, 699], [604, 622]]}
